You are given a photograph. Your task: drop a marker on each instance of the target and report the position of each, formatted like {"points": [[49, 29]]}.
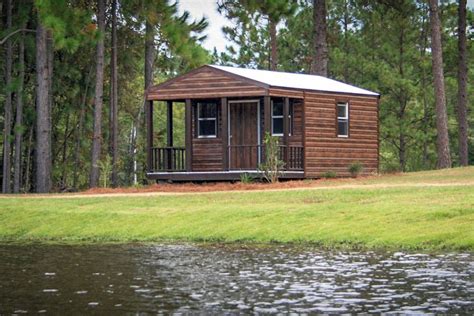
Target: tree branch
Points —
{"points": [[13, 33]]}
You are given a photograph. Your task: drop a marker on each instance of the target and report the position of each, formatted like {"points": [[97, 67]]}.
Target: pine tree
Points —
{"points": [[114, 97], [320, 53], [43, 112], [462, 85], [442, 141], [248, 11], [99, 90]]}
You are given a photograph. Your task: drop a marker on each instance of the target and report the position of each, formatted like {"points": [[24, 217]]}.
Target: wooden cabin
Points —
{"points": [[323, 125]]}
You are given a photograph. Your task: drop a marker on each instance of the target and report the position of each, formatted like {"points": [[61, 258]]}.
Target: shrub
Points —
{"points": [[329, 174], [246, 178], [105, 167], [355, 168], [390, 167], [272, 166]]}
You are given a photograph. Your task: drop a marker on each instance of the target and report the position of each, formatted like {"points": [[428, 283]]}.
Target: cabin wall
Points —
{"points": [[324, 151], [207, 152], [296, 138]]}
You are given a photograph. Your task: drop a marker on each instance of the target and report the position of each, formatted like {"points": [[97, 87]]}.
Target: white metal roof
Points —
{"points": [[295, 80]]}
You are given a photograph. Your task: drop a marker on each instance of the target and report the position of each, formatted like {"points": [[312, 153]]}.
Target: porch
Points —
{"points": [[223, 138]]}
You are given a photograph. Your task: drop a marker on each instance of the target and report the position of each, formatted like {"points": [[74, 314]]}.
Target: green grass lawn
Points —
{"points": [[421, 217]]}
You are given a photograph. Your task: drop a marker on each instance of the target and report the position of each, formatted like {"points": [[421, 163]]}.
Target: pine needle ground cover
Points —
{"points": [[372, 213]]}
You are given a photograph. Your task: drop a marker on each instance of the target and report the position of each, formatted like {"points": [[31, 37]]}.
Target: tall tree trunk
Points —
{"points": [[99, 90], [19, 116], [6, 188], [43, 113], [320, 51], [462, 85], [273, 45], [346, 42], [149, 61], [114, 98], [149, 54], [442, 141], [424, 85]]}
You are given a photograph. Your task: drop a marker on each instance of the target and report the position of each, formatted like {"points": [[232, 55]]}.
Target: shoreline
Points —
{"points": [[232, 245]]}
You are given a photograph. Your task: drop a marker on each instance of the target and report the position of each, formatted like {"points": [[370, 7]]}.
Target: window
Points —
{"points": [[342, 119], [277, 118], [207, 119]]}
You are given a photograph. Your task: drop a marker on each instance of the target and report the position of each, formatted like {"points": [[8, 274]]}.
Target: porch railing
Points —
{"points": [[172, 159], [292, 156], [168, 159]]}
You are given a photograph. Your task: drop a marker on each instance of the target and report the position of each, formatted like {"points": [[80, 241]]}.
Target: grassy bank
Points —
{"points": [[372, 213]]}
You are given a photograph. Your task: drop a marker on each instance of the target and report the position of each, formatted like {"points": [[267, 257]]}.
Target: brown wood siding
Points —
{"points": [[296, 138], [282, 92], [207, 152], [324, 151], [205, 83]]}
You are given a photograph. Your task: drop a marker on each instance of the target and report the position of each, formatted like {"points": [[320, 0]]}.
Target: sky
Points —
{"points": [[208, 9]]}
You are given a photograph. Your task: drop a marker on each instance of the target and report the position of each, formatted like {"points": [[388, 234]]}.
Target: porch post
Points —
{"points": [[169, 124], [225, 134], [149, 134], [188, 135], [267, 121], [169, 134], [286, 130], [267, 114]]}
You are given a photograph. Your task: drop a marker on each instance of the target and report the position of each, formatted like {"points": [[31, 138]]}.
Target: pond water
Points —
{"points": [[139, 278]]}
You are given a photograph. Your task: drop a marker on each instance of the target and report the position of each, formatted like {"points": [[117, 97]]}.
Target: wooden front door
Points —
{"points": [[243, 135]]}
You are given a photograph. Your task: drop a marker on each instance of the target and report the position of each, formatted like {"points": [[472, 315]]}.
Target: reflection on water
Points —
{"points": [[179, 278]]}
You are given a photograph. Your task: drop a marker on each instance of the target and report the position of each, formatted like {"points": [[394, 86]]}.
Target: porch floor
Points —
{"points": [[217, 175]]}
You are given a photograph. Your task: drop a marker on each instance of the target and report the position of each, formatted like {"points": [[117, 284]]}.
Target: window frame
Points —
{"points": [[345, 118], [282, 116], [199, 119]]}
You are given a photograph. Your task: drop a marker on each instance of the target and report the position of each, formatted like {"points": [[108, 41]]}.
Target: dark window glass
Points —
{"points": [[277, 126], [277, 118], [207, 118], [277, 108], [207, 110], [207, 128], [342, 127], [341, 110]]}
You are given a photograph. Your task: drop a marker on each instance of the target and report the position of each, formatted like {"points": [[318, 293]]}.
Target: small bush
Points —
{"points": [[355, 168], [105, 167], [390, 167], [272, 166], [246, 178], [329, 174]]}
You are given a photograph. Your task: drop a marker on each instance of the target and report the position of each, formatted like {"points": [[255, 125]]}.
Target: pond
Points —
{"points": [[150, 278]]}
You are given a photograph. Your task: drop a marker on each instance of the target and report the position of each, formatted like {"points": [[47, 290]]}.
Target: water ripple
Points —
{"points": [[213, 279]]}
